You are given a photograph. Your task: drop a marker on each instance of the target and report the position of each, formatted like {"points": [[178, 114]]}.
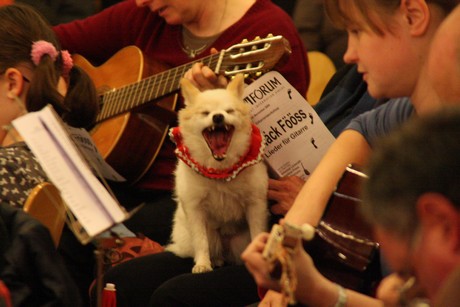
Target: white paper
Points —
{"points": [[84, 195], [296, 139]]}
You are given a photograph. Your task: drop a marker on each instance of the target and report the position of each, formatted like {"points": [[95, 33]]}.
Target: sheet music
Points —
{"points": [[83, 193], [295, 137], [85, 143]]}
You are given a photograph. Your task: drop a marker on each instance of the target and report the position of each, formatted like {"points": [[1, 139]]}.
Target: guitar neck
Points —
{"points": [[252, 57], [126, 98]]}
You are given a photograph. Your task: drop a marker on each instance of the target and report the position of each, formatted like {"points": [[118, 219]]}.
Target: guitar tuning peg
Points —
{"points": [[244, 41], [258, 74], [257, 38], [246, 76], [269, 35], [308, 232]]}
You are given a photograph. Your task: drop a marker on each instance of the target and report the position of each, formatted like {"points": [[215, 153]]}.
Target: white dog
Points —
{"points": [[220, 181]]}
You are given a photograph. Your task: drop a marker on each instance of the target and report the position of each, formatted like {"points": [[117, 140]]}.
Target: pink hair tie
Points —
{"points": [[67, 62], [40, 48]]}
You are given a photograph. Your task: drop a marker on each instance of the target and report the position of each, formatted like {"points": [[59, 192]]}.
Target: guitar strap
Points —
{"points": [[252, 156]]}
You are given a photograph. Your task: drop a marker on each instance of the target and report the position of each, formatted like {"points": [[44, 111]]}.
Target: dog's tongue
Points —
{"points": [[218, 141]]}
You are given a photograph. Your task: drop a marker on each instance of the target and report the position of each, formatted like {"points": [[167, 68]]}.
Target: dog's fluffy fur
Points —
{"points": [[216, 219]]}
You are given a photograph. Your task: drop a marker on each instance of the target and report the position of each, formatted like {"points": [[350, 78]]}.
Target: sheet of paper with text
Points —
{"points": [[84, 194], [295, 137]]}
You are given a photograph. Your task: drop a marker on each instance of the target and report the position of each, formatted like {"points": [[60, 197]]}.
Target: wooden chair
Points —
{"points": [[46, 205], [321, 70]]}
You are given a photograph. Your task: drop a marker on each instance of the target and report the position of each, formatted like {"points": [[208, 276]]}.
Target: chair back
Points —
{"points": [[321, 70], [46, 205]]}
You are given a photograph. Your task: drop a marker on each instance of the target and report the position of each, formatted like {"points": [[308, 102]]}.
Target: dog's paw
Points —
{"points": [[198, 268]]}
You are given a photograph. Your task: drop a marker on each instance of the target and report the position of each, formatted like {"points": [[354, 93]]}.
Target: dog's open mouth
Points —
{"points": [[218, 138]]}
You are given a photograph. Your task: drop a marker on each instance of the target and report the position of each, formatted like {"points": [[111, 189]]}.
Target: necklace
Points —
{"points": [[193, 45]]}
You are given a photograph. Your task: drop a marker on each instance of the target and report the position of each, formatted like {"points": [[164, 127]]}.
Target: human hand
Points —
{"points": [[274, 299], [204, 78], [256, 263], [400, 290], [308, 277], [283, 191], [389, 289]]}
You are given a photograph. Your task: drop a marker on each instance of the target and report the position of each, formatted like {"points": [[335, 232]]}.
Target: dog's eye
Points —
{"points": [[205, 113], [230, 111]]}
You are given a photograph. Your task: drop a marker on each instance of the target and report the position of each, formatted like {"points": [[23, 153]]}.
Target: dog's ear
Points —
{"points": [[237, 85], [189, 91]]}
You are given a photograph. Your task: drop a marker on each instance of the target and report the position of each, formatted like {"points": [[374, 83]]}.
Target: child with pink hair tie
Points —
{"points": [[34, 73], [41, 47]]}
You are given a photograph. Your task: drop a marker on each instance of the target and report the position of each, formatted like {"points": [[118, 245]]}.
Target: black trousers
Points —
{"points": [[166, 280]]}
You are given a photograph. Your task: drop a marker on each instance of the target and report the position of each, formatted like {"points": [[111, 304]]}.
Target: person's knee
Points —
{"points": [[167, 295]]}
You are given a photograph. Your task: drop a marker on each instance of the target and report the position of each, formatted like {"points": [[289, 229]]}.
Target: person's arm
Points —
{"points": [[309, 205]]}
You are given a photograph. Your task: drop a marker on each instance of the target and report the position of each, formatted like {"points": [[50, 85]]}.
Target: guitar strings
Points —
{"points": [[114, 102]]}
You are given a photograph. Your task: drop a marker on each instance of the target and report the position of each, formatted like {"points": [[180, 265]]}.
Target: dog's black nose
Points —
{"points": [[218, 119]]}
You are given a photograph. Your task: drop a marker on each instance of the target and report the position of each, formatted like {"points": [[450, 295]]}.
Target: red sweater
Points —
{"points": [[99, 37]]}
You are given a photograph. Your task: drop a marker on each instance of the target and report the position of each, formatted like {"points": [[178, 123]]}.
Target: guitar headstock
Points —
{"points": [[254, 57]]}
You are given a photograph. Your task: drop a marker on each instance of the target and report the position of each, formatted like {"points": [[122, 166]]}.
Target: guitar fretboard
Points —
{"points": [[123, 99]]}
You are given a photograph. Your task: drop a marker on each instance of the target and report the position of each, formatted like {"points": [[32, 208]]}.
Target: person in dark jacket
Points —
{"points": [[30, 266]]}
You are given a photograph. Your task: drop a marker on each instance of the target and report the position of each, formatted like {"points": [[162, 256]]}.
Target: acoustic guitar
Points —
{"points": [[46, 205], [136, 108], [342, 249]]}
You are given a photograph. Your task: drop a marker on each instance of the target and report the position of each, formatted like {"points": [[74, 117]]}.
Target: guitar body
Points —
{"points": [[343, 248], [45, 204], [129, 142]]}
